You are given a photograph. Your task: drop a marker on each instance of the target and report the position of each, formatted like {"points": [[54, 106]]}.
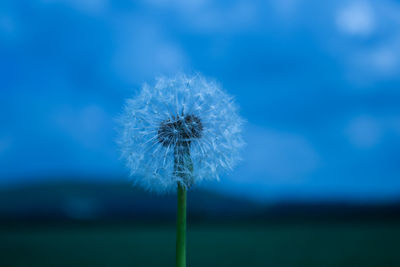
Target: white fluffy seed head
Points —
{"points": [[184, 126]]}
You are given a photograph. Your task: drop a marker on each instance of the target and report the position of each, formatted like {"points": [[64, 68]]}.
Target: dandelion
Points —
{"points": [[177, 133]]}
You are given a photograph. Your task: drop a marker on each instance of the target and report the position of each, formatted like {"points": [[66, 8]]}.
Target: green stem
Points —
{"points": [[183, 168], [181, 227]]}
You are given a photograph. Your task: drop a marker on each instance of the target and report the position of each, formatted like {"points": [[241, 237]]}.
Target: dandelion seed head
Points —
{"points": [[179, 130], [183, 129]]}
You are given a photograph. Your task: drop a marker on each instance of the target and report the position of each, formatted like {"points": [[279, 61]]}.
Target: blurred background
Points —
{"points": [[317, 81]]}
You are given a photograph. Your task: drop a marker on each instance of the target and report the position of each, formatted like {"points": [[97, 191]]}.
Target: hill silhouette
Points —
{"points": [[85, 201]]}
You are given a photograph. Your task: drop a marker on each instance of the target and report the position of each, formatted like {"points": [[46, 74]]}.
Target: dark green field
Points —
{"points": [[288, 244]]}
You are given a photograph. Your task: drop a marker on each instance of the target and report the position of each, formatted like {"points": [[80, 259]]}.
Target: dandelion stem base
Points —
{"points": [[181, 227]]}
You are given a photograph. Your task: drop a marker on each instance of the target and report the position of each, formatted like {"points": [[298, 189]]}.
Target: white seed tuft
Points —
{"points": [[184, 112]]}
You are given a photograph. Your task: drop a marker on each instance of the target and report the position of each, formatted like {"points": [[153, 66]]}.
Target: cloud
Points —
{"points": [[86, 124], [142, 51], [374, 56], [5, 144], [210, 17], [275, 156], [10, 27], [364, 132], [182, 4], [379, 62], [367, 131], [286, 8], [7, 25], [395, 122], [385, 60], [357, 18], [87, 6]]}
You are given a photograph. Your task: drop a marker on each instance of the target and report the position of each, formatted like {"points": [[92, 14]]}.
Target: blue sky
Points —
{"points": [[317, 81]]}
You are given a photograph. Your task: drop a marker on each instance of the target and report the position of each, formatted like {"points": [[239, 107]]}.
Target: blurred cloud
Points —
{"points": [[84, 124], [369, 46], [181, 4], [384, 61], [286, 8], [364, 132], [7, 25], [143, 50], [210, 16], [5, 144], [92, 7], [277, 157], [396, 124], [356, 18]]}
